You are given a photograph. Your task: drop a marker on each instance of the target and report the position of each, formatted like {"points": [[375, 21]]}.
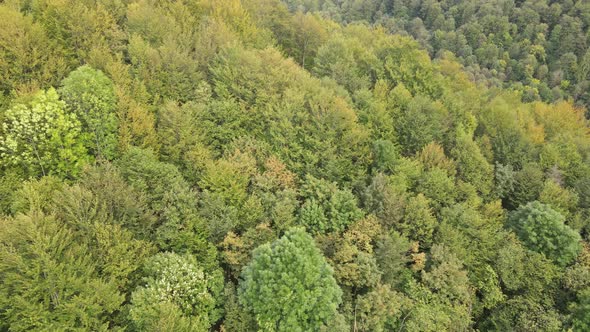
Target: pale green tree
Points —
{"points": [[42, 138], [177, 295]]}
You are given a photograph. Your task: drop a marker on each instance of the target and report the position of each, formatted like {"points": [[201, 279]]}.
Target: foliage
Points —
{"points": [[433, 157], [50, 280], [581, 320], [171, 200], [418, 222], [282, 278], [42, 138], [542, 229], [536, 47], [176, 294], [29, 59], [327, 208], [90, 95]]}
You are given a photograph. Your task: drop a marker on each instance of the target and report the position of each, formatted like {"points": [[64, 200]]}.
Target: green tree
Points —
{"points": [[10, 182], [168, 71], [237, 250], [528, 184], [385, 156], [176, 295], [309, 35], [421, 122], [581, 312], [123, 204], [42, 138], [523, 314], [289, 286], [447, 277], [522, 271], [378, 309], [433, 156], [419, 222], [559, 198], [472, 165], [442, 301], [29, 59], [384, 200], [542, 229], [352, 256], [90, 94], [437, 186], [327, 208], [236, 317], [116, 253], [50, 280], [181, 135], [392, 254], [170, 198]]}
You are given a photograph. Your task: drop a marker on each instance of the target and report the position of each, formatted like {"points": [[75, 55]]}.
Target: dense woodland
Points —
{"points": [[537, 47], [257, 165]]}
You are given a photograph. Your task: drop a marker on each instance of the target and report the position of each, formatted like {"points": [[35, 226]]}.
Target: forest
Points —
{"points": [[537, 47], [297, 165]]}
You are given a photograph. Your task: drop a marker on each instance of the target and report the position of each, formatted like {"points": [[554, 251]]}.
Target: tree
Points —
{"points": [[527, 185], [180, 133], [237, 250], [50, 280], [384, 200], [522, 271], [225, 201], [116, 253], [10, 182], [123, 204], [352, 256], [447, 277], [437, 186], [523, 314], [289, 286], [170, 198], [542, 229], [176, 295], [378, 309], [309, 34], [42, 138], [472, 165], [236, 317], [29, 59], [90, 94], [444, 296], [581, 312], [339, 58], [561, 199], [168, 71], [327, 208], [392, 254], [419, 222], [273, 100], [406, 64], [421, 122], [78, 28], [433, 156], [385, 155]]}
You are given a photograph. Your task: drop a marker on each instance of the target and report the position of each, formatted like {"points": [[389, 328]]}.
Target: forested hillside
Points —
{"points": [[538, 47], [258, 165]]}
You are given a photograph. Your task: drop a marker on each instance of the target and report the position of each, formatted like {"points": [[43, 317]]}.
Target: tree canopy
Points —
{"points": [[294, 165]]}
